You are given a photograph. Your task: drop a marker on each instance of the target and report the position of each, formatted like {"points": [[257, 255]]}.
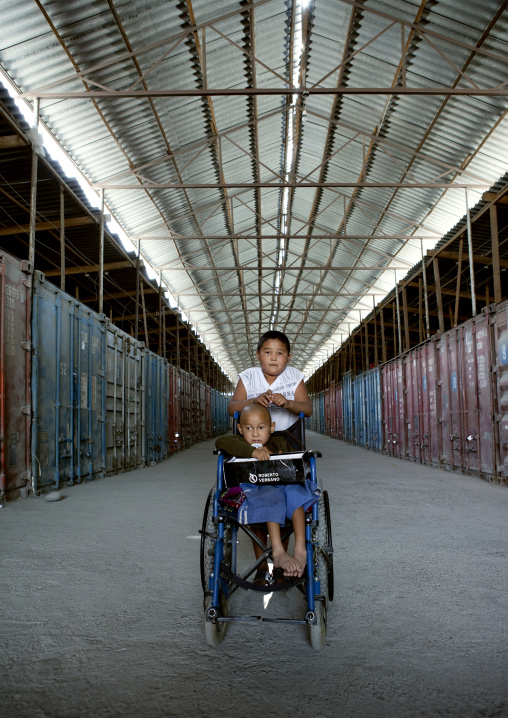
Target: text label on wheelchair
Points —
{"points": [[263, 478]]}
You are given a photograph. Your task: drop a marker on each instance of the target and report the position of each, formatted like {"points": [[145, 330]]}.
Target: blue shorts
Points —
{"points": [[275, 502]]}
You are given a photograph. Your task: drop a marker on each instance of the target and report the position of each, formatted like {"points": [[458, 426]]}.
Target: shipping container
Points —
{"points": [[339, 422], [174, 439], [359, 410], [373, 409], [464, 398], [221, 418], [347, 406], [316, 422], [208, 413], [156, 392], [15, 382], [329, 399], [420, 393], [135, 401], [392, 393], [68, 388], [124, 401], [500, 385]]}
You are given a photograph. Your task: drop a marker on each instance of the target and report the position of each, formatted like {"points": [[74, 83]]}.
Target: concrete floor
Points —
{"points": [[101, 601]]}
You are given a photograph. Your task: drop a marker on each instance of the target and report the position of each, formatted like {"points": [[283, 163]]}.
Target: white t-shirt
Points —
{"points": [[255, 384]]}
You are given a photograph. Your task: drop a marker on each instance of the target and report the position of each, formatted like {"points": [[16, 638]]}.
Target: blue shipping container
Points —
{"points": [[368, 426], [359, 411], [347, 406], [156, 408], [68, 388]]}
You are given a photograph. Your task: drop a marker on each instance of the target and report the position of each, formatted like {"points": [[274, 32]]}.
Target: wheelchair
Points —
{"points": [[220, 532]]}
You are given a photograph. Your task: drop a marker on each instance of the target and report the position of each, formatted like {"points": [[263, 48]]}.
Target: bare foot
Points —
{"points": [[289, 564], [301, 557]]}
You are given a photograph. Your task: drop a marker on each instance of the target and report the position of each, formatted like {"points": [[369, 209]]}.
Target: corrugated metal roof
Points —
{"points": [[225, 246]]}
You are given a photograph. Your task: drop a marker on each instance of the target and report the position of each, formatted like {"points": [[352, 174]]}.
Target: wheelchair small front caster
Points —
{"points": [[215, 630], [317, 631]]}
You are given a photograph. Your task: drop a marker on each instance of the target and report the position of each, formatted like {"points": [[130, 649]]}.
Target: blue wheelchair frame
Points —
{"points": [[222, 582]]}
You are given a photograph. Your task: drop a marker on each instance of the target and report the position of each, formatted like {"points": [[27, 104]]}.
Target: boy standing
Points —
{"points": [[273, 384]]}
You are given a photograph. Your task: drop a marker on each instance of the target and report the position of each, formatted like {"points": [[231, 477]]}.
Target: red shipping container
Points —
{"points": [[420, 393], [392, 394], [499, 356], [465, 398]]}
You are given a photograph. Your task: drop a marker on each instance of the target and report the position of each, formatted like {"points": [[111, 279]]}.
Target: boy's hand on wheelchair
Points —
{"points": [[262, 454], [280, 400], [264, 399]]}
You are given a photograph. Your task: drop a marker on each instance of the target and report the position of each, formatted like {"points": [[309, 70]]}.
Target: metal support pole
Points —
{"points": [[33, 190], [136, 326], [101, 254], [376, 357], [457, 290], [471, 262], [425, 293], [160, 312], [495, 253], [177, 340], [62, 238], [164, 332], [399, 332]]}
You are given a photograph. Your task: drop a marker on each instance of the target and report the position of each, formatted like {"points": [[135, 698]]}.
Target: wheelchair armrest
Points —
{"points": [[314, 454]]}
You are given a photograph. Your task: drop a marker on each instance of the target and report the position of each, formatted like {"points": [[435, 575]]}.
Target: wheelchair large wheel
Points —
{"points": [[215, 632], [323, 569], [326, 505], [208, 536], [208, 540]]}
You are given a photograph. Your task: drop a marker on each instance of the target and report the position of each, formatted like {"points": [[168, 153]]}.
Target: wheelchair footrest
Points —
{"points": [[255, 619], [249, 585]]}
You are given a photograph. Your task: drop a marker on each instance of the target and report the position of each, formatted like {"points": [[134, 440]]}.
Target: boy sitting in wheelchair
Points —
{"points": [[270, 504]]}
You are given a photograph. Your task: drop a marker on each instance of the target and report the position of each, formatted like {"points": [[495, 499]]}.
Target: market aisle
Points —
{"points": [[102, 605]]}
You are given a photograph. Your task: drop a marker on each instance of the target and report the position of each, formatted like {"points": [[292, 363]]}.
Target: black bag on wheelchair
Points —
{"points": [[289, 468]]}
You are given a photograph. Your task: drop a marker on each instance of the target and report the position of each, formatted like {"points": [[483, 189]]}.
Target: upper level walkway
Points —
{"points": [[102, 605]]}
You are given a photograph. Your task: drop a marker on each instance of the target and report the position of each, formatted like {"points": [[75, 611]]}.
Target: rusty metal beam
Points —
{"points": [[290, 185], [8, 141], [293, 235], [457, 291], [87, 268], [491, 197], [438, 294], [268, 91], [372, 268], [477, 258], [41, 226], [496, 262]]}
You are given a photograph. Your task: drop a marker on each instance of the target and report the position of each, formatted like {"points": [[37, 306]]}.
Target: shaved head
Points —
{"points": [[251, 409]]}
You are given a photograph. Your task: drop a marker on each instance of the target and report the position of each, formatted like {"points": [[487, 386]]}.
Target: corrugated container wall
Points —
{"points": [[68, 388], [15, 338], [500, 370], [124, 402], [221, 418], [339, 421], [347, 406], [444, 403], [174, 414], [156, 408], [392, 392]]}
